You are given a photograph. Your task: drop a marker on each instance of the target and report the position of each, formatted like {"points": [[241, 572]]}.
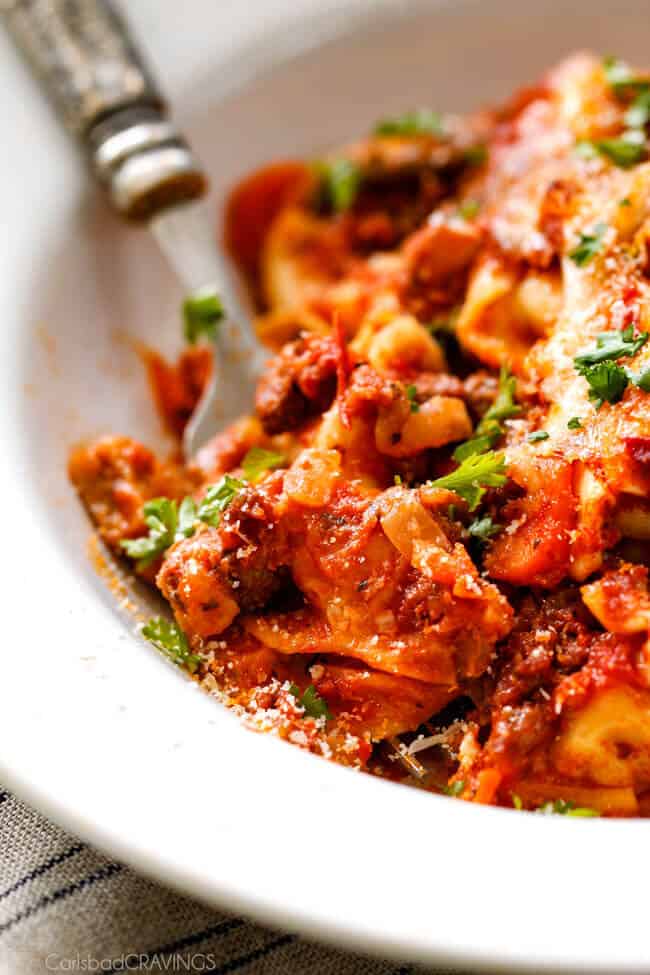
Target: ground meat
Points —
{"points": [[115, 476], [299, 383], [255, 546]]}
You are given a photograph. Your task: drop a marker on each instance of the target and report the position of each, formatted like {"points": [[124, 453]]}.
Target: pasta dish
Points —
{"points": [[425, 554]]}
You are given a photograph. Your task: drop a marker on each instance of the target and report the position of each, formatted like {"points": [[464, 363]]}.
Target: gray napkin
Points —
{"points": [[66, 908]]}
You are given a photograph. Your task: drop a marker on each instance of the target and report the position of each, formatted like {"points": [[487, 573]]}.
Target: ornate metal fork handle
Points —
{"points": [[102, 89]]}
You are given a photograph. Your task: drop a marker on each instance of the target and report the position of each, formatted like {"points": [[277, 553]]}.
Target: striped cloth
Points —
{"points": [[66, 908]]}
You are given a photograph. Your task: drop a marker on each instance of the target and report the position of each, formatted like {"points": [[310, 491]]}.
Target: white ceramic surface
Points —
{"points": [[96, 729]]}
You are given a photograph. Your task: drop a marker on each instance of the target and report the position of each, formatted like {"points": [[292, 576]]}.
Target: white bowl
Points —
{"points": [[96, 729]]}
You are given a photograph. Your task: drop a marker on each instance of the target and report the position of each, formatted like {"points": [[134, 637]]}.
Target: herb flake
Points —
{"points": [[483, 529], [473, 476], [625, 151], [258, 460], [217, 498], [170, 640], [202, 313], [560, 807], [489, 431], [340, 182], [469, 209], [455, 789], [411, 395], [612, 345], [314, 705], [607, 382], [161, 518], [589, 245], [422, 121]]}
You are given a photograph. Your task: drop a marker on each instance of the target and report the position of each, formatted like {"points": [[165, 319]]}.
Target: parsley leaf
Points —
{"points": [[455, 789], [170, 640], [638, 114], [575, 423], [311, 701], [476, 155], [607, 382], [504, 405], [217, 498], [483, 529], [473, 476], [161, 518], [202, 313], [621, 78], [489, 430], [480, 442], [187, 515], [411, 394], [167, 523], [612, 345], [422, 121], [340, 181], [589, 245], [258, 460], [469, 209], [642, 380], [624, 151], [560, 807], [537, 436]]}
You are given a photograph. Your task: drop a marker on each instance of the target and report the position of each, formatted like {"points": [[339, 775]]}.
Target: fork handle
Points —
{"points": [[104, 93]]}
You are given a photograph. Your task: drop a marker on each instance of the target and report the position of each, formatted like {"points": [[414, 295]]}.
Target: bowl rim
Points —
{"points": [[385, 905]]}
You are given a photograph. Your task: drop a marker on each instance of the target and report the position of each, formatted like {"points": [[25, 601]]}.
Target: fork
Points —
{"points": [[105, 95]]}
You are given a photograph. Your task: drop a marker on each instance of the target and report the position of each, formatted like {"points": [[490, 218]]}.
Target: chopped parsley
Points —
{"points": [[642, 380], [340, 181], [638, 114], [187, 515], [161, 518], [311, 701], [489, 430], [537, 436], [455, 789], [167, 523], [483, 528], [621, 78], [607, 381], [411, 394], [469, 209], [504, 405], [476, 473], [624, 151], [575, 423], [422, 121], [202, 313], [476, 155], [625, 202], [560, 807], [217, 498], [516, 801], [258, 460], [170, 640], [612, 345], [397, 480], [589, 245]]}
